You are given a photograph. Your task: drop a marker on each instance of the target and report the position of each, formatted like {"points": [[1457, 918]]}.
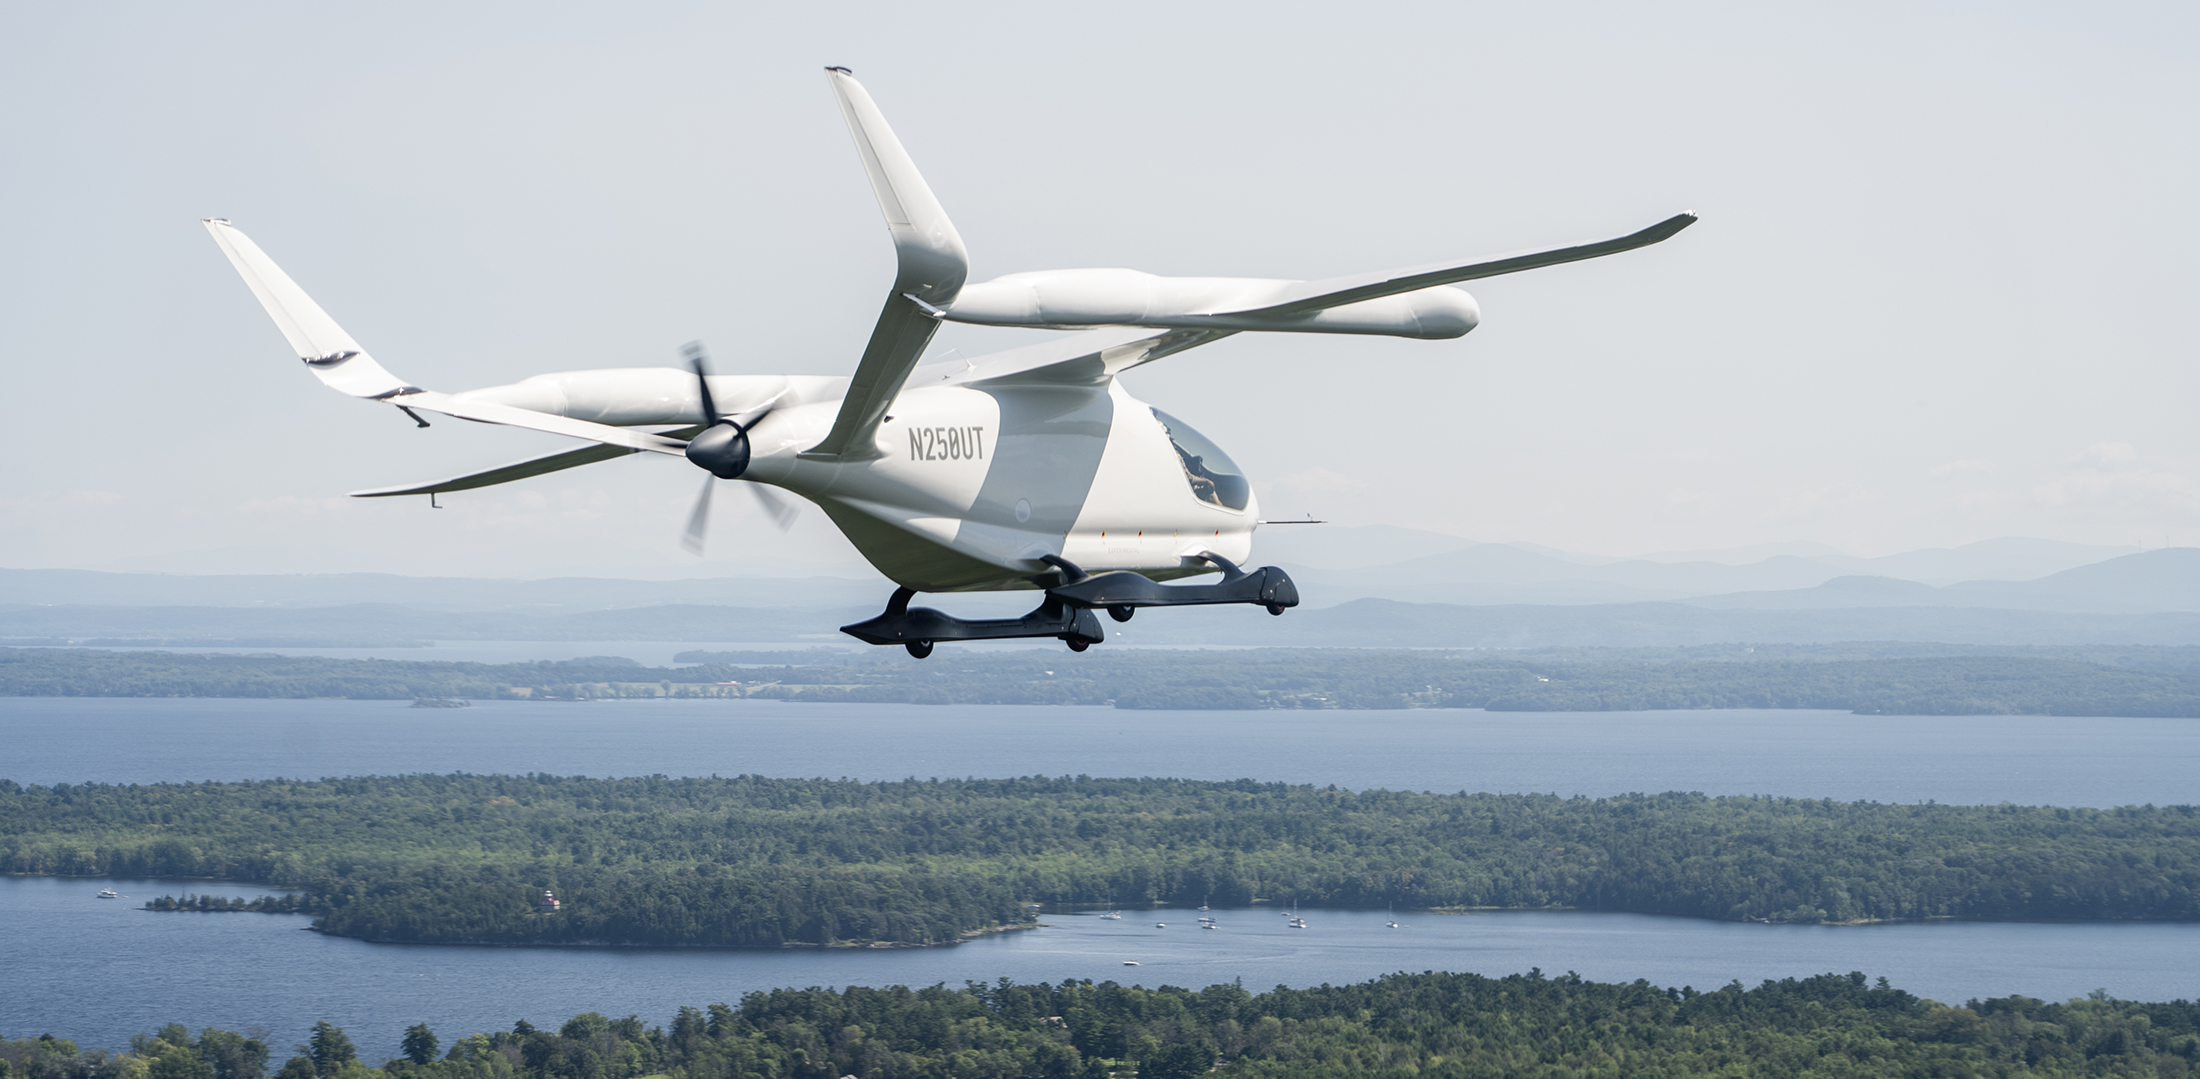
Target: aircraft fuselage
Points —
{"points": [[971, 484]]}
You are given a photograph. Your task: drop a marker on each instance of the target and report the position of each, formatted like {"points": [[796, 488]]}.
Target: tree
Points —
{"points": [[232, 1055], [296, 1068], [330, 1049], [1180, 1061], [420, 1043]]}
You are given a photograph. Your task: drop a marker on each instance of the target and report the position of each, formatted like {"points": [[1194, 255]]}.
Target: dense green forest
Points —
{"points": [[2074, 682], [750, 861], [1422, 1026]]}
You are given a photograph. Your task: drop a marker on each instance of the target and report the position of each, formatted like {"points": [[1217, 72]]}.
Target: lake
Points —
{"points": [[100, 970], [2033, 760]]}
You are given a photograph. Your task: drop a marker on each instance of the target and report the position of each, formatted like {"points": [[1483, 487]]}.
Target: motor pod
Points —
{"points": [[722, 449]]}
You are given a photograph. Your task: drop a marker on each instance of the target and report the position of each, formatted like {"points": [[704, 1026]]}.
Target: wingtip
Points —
{"points": [[1671, 226]]}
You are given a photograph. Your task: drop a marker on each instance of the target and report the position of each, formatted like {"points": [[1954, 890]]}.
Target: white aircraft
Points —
{"points": [[1026, 469]]}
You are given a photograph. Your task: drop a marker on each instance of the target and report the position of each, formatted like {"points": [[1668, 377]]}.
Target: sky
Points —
{"points": [[1940, 292]]}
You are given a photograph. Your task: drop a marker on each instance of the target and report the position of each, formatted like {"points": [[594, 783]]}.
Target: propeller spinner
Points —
{"points": [[721, 448]]}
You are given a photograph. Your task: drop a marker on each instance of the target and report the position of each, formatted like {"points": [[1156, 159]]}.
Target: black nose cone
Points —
{"points": [[722, 450]]}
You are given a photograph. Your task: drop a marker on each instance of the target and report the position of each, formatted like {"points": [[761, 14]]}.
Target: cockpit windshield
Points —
{"points": [[1213, 476]]}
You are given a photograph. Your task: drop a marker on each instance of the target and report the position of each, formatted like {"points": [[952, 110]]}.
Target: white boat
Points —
{"points": [[1130, 962], [1160, 925], [1113, 916], [109, 893]]}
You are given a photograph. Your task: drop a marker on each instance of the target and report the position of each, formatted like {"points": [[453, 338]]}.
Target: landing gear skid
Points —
{"points": [[1067, 612], [919, 628], [1123, 592]]}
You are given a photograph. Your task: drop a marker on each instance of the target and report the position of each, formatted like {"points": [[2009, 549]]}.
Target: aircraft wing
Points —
{"points": [[326, 349], [1084, 359], [1310, 296], [341, 364], [517, 470], [931, 268], [487, 412]]}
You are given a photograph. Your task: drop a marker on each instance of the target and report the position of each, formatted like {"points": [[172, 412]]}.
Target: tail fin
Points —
{"points": [[930, 266], [932, 262], [334, 357]]}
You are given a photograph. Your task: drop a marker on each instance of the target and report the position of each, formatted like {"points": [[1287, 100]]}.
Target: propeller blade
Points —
{"points": [[699, 359], [699, 518], [782, 511]]}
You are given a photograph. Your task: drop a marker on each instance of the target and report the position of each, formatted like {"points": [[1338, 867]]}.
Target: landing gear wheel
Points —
{"points": [[919, 649], [1079, 644], [1275, 608], [1122, 614]]}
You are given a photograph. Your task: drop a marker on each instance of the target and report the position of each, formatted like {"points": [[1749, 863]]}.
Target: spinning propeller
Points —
{"points": [[721, 448]]}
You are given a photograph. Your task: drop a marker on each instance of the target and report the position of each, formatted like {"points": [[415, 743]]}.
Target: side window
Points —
{"points": [[1213, 475]]}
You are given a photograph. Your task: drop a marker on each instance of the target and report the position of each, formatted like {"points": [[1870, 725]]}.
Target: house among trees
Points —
{"points": [[549, 903]]}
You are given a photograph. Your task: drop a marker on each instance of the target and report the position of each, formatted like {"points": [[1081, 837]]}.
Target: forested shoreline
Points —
{"points": [[1425, 1026], [755, 862], [2070, 682]]}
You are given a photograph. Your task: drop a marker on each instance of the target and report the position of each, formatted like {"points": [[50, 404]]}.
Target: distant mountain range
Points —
{"points": [[1443, 592], [2164, 580], [1365, 623], [97, 588], [1382, 562]]}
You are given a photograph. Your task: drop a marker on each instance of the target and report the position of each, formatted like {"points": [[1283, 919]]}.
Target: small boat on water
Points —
{"points": [[1160, 925], [109, 893], [1130, 962], [1113, 916], [1395, 925]]}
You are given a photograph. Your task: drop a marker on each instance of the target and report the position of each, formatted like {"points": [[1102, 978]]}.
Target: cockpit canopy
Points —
{"points": [[1214, 477]]}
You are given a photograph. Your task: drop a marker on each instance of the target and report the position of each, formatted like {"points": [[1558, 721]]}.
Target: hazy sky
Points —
{"points": [[1942, 290]]}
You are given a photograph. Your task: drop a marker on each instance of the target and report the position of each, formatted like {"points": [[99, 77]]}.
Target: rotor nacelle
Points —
{"points": [[1080, 299], [722, 449]]}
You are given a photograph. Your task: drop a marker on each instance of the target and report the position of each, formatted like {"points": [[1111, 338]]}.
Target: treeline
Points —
{"points": [[216, 904], [1572, 680], [749, 861], [1426, 1026]]}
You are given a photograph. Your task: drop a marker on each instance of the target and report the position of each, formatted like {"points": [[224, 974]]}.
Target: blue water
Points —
{"points": [[2033, 760], [99, 971]]}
